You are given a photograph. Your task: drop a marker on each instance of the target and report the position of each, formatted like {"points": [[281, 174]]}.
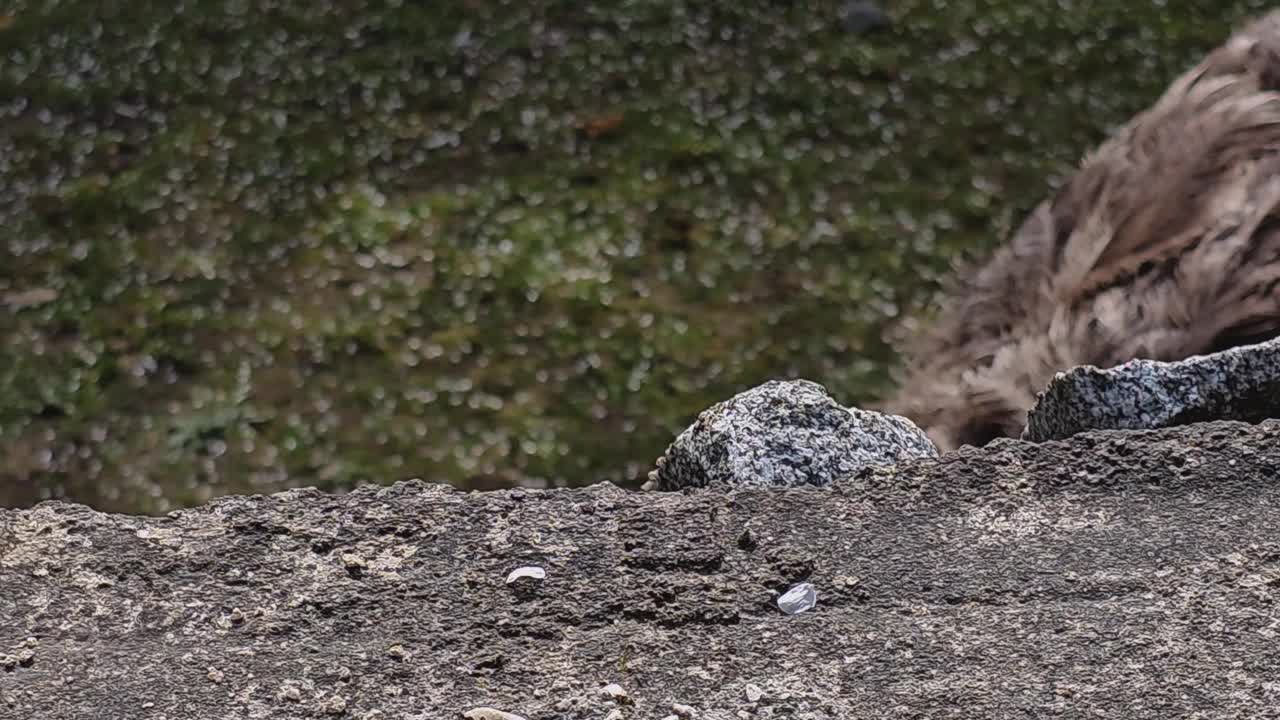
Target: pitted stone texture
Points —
{"points": [[786, 433], [1242, 383], [1128, 569]]}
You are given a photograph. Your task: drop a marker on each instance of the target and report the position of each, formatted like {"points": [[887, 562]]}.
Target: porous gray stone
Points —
{"points": [[787, 433], [1108, 576], [1241, 383]]}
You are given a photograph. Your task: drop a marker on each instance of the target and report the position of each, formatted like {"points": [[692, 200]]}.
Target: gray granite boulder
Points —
{"points": [[785, 433], [1242, 383]]}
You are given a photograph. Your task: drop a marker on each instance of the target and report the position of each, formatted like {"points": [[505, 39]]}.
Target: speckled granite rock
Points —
{"points": [[784, 433], [1242, 383]]}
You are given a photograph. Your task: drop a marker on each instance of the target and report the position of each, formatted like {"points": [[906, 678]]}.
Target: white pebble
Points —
{"points": [[529, 571], [614, 691], [798, 599]]}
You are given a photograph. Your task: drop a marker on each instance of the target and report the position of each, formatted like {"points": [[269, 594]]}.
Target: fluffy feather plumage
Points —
{"points": [[1164, 244]]}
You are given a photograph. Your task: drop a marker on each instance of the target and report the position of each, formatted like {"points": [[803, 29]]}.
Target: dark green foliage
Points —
{"points": [[490, 243]]}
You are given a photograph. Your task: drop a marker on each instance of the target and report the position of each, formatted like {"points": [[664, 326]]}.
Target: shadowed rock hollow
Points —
{"points": [[1131, 575]]}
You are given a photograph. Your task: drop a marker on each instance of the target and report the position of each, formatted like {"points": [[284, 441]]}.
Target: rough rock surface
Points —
{"points": [[1112, 575], [785, 432], [1242, 383]]}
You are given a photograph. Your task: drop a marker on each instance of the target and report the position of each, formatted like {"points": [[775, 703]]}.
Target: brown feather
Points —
{"points": [[1163, 245]]}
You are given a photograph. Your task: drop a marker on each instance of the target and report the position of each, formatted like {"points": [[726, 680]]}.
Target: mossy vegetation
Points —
{"points": [[248, 246]]}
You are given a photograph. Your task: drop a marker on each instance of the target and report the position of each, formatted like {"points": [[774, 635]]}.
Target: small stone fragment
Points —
{"points": [[397, 652], [614, 714], [798, 599], [754, 693], [26, 657], [290, 692], [215, 676], [615, 692], [684, 711], [486, 713], [335, 705], [529, 571]]}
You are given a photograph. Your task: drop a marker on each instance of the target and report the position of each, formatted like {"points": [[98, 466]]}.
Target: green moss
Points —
{"points": [[500, 243]]}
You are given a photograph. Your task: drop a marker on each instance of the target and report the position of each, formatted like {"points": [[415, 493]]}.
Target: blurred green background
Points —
{"points": [[251, 245]]}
